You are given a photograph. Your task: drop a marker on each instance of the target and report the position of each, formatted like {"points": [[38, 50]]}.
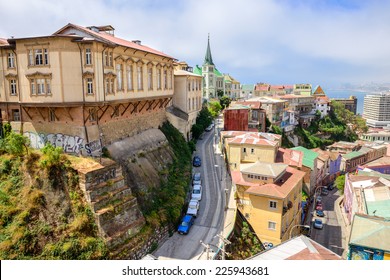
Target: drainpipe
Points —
{"points": [[83, 92], [19, 92], [104, 84]]}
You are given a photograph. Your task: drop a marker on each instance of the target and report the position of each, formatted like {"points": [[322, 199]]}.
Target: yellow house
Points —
{"points": [[82, 87], [244, 147], [186, 102], [269, 197]]}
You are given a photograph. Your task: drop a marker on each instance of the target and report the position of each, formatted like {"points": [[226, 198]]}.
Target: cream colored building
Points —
{"points": [[244, 147], [269, 197], [82, 87], [186, 102]]}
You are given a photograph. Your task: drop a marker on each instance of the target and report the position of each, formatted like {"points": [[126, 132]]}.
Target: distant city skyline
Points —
{"points": [[326, 42]]}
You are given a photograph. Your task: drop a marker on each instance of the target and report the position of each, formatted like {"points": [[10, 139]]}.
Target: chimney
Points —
{"points": [[138, 42]]}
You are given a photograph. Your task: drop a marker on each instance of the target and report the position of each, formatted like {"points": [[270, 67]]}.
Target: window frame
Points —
{"points": [[271, 223], [11, 60], [88, 56], [273, 204], [13, 87]]}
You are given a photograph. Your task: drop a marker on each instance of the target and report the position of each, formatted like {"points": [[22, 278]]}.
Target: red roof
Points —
{"points": [[290, 157], [252, 104], [112, 39], [280, 189], [3, 42]]}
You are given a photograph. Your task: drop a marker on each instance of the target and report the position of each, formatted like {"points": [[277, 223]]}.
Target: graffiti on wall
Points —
{"points": [[69, 143]]}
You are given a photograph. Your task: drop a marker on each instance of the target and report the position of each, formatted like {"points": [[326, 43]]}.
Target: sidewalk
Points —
{"points": [[344, 224]]}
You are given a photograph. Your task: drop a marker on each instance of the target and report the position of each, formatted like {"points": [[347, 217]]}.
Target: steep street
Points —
{"points": [[210, 217]]}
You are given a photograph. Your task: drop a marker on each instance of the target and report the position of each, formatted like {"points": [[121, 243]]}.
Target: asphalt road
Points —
{"points": [[330, 236], [210, 216]]}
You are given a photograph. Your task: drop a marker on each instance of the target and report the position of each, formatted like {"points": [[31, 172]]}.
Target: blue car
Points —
{"points": [[185, 224], [197, 161]]}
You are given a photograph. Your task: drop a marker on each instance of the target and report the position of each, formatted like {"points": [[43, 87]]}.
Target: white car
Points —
{"points": [[193, 207], [196, 179], [209, 128], [197, 192]]}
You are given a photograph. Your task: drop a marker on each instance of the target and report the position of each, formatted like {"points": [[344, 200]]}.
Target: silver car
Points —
{"points": [[197, 192], [193, 207]]}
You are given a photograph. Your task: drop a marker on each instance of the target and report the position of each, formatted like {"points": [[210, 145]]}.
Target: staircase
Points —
{"points": [[116, 210]]}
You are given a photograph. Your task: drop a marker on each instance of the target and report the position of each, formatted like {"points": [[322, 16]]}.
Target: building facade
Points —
{"points": [[269, 197], [349, 103], [376, 109], [82, 87], [186, 101]]}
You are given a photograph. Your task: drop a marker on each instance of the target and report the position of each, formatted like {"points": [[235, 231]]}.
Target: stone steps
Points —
{"points": [[104, 188], [112, 198]]}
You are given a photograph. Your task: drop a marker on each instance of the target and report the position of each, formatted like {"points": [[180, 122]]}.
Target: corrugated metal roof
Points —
{"points": [[371, 232], [298, 248]]}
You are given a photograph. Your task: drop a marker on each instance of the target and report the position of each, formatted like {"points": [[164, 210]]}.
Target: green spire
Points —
{"points": [[208, 58]]}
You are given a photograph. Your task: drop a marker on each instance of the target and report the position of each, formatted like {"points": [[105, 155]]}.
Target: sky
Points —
{"points": [[322, 42]]}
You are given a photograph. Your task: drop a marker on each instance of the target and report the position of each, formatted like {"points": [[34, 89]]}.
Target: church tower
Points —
{"points": [[209, 79]]}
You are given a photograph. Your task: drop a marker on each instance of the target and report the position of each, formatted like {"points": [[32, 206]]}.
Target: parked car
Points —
{"points": [[185, 224], [324, 191], [196, 179], [331, 187], [197, 161], [210, 127], [193, 207], [320, 213], [319, 206], [318, 224], [318, 199], [197, 192]]}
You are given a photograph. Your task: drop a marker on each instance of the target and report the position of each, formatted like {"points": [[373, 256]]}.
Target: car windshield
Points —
{"points": [[184, 224], [197, 191], [192, 206]]}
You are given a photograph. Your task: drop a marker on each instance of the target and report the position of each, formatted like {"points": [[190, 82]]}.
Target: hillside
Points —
{"points": [[43, 213]]}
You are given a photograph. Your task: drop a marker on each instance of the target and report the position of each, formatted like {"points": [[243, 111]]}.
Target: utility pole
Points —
{"points": [[207, 246], [224, 243]]}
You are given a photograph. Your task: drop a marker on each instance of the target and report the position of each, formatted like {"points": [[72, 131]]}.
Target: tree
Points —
{"points": [[197, 130], [15, 143], [267, 124], [225, 101], [340, 182], [214, 108], [219, 92]]}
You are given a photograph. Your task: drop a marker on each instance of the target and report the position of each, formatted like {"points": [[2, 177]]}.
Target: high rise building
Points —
{"points": [[376, 109]]}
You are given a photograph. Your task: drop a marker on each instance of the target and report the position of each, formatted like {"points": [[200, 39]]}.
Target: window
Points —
{"points": [[11, 60], [92, 115], [88, 57], [129, 77], [15, 115], [244, 150], [116, 111], [139, 77], [52, 115], [12, 87], [119, 77], [89, 86], [252, 151], [158, 78], [109, 85], [272, 204], [165, 80], [40, 86], [272, 225], [38, 57], [108, 57], [150, 78]]}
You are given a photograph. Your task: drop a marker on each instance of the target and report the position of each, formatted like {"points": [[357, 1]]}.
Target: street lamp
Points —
{"points": [[291, 230]]}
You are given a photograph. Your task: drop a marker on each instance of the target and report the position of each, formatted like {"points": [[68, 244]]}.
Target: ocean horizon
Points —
{"points": [[342, 93]]}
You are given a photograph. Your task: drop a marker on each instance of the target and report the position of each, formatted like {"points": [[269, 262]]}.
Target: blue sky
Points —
{"points": [[324, 42]]}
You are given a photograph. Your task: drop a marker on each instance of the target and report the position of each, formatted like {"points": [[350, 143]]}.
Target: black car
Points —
{"points": [[197, 161]]}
